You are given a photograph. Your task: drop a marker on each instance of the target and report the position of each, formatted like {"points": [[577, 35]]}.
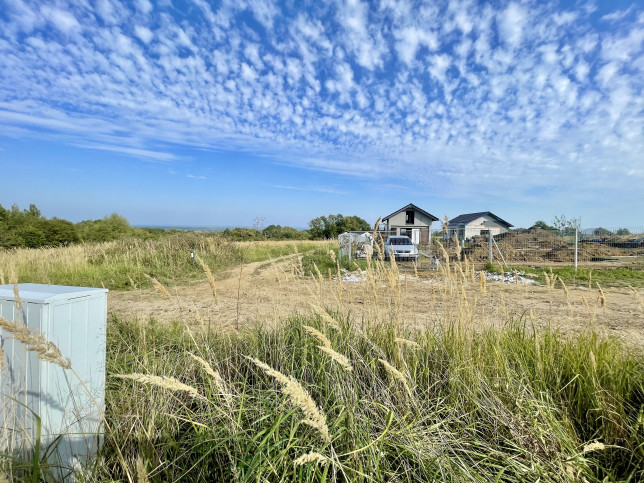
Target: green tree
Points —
{"points": [[623, 231], [31, 236], [543, 225], [331, 226], [601, 231], [59, 232], [110, 228]]}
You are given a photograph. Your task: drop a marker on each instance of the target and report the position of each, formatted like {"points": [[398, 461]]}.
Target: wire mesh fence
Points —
{"points": [[593, 247]]}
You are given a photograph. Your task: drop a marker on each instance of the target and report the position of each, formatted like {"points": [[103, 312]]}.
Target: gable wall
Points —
{"points": [[399, 220]]}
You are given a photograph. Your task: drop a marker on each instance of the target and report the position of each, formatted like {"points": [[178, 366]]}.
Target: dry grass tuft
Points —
{"points": [[596, 446], [407, 342], [482, 281], [343, 361], [159, 286], [164, 382], [216, 377], [545, 275], [311, 457], [299, 397], [395, 374], [457, 247], [565, 289], [602, 297], [330, 321], [141, 472], [319, 335], [211, 279], [13, 279], [35, 341]]}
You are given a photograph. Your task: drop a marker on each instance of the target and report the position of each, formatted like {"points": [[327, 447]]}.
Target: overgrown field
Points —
{"points": [[324, 396], [124, 264]]}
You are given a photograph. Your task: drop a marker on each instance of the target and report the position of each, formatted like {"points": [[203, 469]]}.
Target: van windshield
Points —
{"points": [[400, 241]]}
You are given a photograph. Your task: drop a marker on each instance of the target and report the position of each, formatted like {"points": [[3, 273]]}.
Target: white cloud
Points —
{"points": [[144, 6], [248, 73], [311, 189], [410, 39], [511, 24], [143, 33], [618, 15], [62, 19]]}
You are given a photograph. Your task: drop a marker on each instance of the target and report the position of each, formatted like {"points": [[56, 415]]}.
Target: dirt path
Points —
{"points": [[266, 292]]}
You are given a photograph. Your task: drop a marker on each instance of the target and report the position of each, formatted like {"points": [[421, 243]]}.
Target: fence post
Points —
{"points": [[576, 247], [489, 247]]}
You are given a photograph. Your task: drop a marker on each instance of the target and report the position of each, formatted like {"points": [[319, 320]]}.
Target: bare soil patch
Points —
{"points": [[267, 292]]}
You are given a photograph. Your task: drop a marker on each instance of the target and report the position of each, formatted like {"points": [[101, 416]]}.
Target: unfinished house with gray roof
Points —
{"points": [[474, 224], [412, 221]]}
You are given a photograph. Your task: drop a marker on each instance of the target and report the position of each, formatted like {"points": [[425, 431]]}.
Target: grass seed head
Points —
{"points": [[35, 341], [165, 382], [299, 397], [395, 374], [311, 457], [602, 296], [141, 471], [407, 342], [211, 279], [159, 286], [216, 377], [325, 317], [595, 446], [319, 335], [342, 360]]}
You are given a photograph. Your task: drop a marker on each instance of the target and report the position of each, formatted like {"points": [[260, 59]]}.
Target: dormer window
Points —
{"points": [[409, 219]]}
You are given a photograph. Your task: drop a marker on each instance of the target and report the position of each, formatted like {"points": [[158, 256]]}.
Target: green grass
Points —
{"points": [[500, 405], [607, 277]]}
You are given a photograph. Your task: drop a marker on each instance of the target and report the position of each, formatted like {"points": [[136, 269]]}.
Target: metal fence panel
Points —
{"points": [[595, 247]]}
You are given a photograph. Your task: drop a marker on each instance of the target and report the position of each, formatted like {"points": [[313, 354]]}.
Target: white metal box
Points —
{"points": [[70, 403]]}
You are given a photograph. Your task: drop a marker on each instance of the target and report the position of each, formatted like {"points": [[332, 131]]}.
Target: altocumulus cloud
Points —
{"points": [[533, 92]]}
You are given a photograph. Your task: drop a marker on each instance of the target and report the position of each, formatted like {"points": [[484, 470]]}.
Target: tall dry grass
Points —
{"points": [[124, 264]]}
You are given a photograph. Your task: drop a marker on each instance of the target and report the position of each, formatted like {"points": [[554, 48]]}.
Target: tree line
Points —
{"points": [[320, 228], [28, 228]]}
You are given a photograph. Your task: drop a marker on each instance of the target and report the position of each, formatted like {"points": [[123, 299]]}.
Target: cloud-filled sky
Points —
{"points": [[212, 113]]}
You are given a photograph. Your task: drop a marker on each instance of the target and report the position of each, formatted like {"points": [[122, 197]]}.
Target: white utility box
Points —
{"points": [[75, 320]]}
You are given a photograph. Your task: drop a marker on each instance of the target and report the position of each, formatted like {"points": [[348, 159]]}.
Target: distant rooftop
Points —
{"points": [[469, 217]]}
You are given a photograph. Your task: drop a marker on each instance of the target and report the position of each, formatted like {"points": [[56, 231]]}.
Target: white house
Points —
{"points": [[411, 221], [473, 224]]}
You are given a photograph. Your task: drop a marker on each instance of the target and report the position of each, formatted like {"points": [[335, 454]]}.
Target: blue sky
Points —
{"points": [[215, 113]]}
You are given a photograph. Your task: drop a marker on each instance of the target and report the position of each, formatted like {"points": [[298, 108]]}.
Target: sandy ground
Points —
{"points": [[267, 292]]}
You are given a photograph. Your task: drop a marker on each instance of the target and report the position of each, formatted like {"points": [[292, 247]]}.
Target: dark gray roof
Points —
{"points": [[467, 218], [411, 206]]}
